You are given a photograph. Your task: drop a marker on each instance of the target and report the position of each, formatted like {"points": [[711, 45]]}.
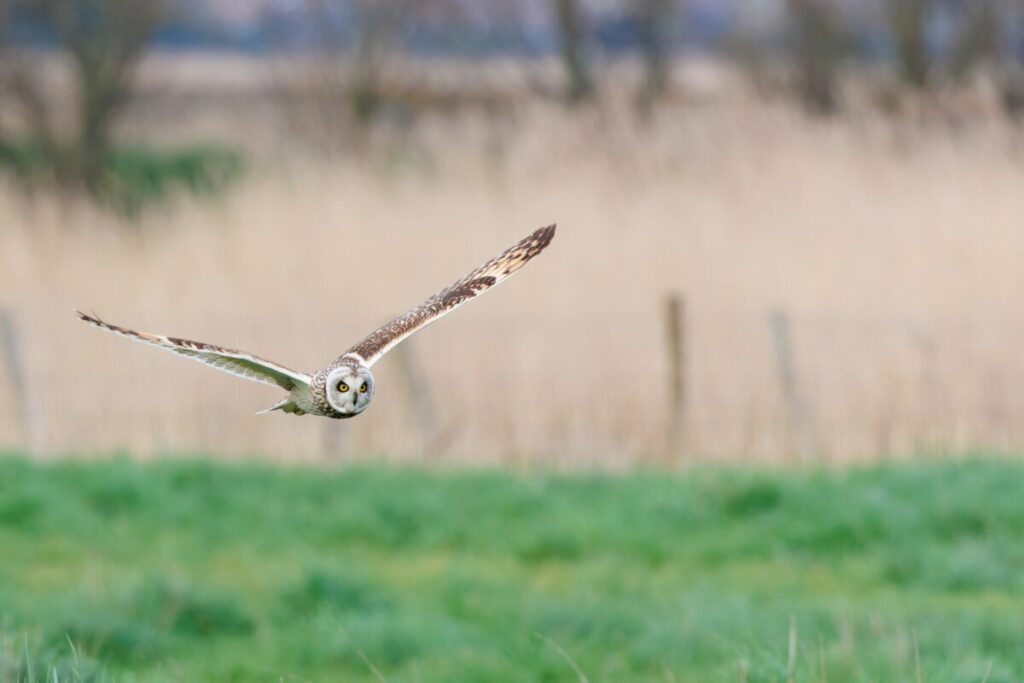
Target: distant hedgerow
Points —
{"points": [[133, 177]]}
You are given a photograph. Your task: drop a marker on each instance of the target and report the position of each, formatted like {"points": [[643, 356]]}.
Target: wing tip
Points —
{"points": [[543, 236], [537, 242], [87, 318], [96, 321]]}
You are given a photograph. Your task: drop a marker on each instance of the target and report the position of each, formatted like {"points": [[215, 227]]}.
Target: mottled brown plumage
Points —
{"points": [[448, 299], [345, 387]]}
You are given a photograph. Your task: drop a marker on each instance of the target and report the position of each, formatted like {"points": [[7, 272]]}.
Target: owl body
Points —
{"points": [[346, 387]]}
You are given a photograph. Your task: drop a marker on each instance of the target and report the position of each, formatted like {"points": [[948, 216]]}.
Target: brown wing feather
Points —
{"points": [[372, 347], [232, 361]]}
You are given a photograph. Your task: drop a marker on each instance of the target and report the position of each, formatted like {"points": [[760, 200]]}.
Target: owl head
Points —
{"points": [[349, 389]]}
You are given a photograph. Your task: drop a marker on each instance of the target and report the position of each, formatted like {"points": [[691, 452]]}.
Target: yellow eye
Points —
{"points": [[362, 389], [342, 387]]}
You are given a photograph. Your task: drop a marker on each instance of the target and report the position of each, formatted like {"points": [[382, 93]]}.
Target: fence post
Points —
{"points": [[420, 400], [23, 399], [675, 337], [798, 422]]}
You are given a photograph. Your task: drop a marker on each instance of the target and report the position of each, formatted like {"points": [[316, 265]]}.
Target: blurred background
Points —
{"points": [[790, 233], [789, 230]]}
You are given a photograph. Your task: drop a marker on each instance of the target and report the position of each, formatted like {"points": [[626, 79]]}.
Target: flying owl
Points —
{"points": [[345, 387]]}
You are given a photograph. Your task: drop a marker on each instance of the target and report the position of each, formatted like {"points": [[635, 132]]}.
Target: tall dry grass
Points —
{"points": [[895, 251]]}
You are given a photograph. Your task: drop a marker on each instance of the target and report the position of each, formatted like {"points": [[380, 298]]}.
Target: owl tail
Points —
{"points": [[287, 405]]}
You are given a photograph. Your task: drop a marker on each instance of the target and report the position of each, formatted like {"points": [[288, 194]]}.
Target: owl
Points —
{"points": [[345, 388]]}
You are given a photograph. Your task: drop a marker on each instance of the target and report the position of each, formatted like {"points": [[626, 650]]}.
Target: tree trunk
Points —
{"points": [[378, 22], [981, 40], [1013, 68], [569, 17], [654, 20], [106, 40], [817, 51], [907, 19], [102, 92]]}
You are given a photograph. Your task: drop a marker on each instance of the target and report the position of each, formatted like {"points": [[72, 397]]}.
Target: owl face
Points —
{"points": [[350, 390]]}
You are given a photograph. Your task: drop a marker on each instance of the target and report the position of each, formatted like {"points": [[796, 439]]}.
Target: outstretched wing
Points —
{"points": [[370, 349], [237, 363]]}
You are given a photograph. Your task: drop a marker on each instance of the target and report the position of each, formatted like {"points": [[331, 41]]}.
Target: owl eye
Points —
{"points": [[362, 389], [342, 387]]}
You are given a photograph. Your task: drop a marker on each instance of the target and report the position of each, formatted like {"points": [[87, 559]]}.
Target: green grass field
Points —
{"points": [[192, 571]]}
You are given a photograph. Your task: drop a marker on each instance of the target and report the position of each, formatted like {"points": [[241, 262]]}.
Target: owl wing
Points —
{"points": [[234, 362], [371, 348]]}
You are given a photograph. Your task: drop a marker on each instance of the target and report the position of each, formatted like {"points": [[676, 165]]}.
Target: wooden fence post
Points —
{"points": [[798, 421], [675, 337], [23, 399]]}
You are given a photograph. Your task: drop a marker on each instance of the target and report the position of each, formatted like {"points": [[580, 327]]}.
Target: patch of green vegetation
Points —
{"points": [[63, 663], [139, 176], [133, 176], [183, 570], [26, 159]]}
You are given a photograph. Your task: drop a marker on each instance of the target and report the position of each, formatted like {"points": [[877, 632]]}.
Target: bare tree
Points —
{"points": [[379, 25], [570, 22], [985, 44], [907, 24], [6, 63], [818, 49], [24, 111], [6, 19], [655, 20], [1013, 64], [106, 39], [334, 93], [980, 42]]}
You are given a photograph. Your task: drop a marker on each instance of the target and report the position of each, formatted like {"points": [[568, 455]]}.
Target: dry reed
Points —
{"points": [[896, 252]]}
